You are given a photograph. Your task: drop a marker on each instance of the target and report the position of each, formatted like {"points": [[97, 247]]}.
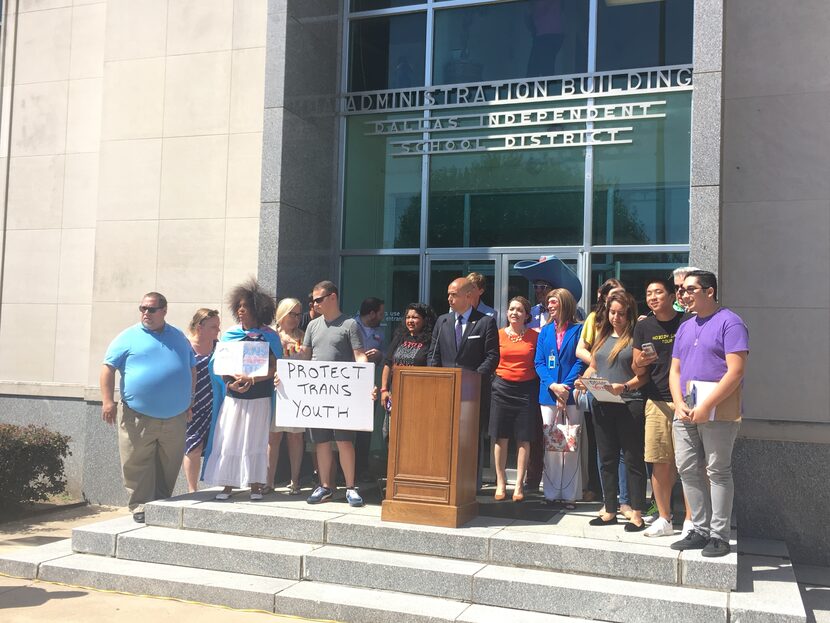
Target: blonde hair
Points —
{"points": [[199, 317], [567, 305], [283, 307], [627, 336]]}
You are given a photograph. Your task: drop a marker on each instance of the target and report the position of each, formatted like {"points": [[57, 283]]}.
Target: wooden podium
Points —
{"points": [[433, 447]]}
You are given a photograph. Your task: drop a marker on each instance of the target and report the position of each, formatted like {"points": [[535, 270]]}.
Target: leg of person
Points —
{"points": [[295, 457], [192, 467], [346, 449], [523, 452], [631, 430], [594, 486], [321, 438], [138, 458], [608, 448], [550, 466], [718, 441], [625, 498], [500, 459], [274, 441], [659, 451], [690, 461], [572, 490], [170, 451]]}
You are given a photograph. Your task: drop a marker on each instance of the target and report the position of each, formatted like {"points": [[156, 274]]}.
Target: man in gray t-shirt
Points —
{"points": [[332, 336]]}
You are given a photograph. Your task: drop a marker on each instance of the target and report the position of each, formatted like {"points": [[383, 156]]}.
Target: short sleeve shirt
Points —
{"points": [[333, 341], [155, 367], [661, 334], [701, 345]]}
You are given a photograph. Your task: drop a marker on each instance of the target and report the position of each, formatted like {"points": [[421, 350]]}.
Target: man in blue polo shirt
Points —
{"points": [[158, 377]]}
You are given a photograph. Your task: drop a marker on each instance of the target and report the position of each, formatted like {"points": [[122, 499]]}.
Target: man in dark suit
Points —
{"points": [[466, 338]]}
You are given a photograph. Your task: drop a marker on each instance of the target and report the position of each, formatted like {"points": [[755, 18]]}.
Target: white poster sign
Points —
{"points": [[599, 386], [248, 358], [325, 394]]}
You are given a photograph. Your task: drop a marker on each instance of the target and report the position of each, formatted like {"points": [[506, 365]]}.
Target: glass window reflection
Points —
{"points": [[395, 279], [641, 190], [645, 33], [382, 193], [510, 40], [387, 52]]}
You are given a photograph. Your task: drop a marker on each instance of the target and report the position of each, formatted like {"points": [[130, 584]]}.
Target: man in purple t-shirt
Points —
{"points": [[705, 380]]}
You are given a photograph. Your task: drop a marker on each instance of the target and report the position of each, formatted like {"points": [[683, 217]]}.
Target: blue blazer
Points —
{"points": [[568, 366]]}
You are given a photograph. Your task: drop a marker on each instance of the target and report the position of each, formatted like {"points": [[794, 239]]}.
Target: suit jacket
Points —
{"points": [[568, 365], [479, 348]]}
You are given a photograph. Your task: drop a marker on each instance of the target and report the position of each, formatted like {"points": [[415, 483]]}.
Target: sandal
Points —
{"points": [[293, 489], [570, 506], [265, 490]]}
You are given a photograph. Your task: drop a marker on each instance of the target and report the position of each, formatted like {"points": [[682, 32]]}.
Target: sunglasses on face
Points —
{"points": [[320, 299], [148, 310]]}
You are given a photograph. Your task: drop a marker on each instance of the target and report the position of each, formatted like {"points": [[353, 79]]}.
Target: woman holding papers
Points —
{"points": [[558, 368], [513, 406], [619, 425], [244, 405], [289, 312]]}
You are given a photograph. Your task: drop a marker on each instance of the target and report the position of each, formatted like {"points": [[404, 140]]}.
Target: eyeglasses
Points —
{"points": [[294, 314], [692, 289], [148, 310], [320, 299], [678, 287]]}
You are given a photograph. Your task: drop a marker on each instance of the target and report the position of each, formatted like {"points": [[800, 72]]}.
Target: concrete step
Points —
{"points": [[409, 573], [567, 545], [234, 590], [605, 599], [220, 552]]}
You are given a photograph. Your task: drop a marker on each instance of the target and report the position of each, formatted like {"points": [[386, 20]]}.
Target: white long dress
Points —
{"points": [[239, 452]]}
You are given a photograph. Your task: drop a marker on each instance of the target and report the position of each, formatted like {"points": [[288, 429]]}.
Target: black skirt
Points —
{"points": [[513, 409]]}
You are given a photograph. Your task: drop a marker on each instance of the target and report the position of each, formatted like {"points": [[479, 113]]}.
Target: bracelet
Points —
{"points": [[626, 388], [384, 389]]}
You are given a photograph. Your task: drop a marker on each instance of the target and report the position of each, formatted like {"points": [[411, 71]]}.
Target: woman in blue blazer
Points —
{"points": [[558, 367]]}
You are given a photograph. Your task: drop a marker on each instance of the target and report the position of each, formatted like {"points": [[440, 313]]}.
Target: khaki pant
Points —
{"points": [[151, 452]]}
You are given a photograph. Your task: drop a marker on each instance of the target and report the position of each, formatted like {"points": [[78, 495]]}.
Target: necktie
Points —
{"points": [[458, 331]]}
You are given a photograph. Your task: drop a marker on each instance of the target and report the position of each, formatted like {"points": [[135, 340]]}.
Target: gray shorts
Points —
{"points": [[322, 435]]}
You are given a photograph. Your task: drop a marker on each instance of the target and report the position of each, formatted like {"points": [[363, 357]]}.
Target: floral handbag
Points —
{"points": [[561, 436]]}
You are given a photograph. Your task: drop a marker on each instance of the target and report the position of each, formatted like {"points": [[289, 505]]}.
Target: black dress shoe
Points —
{"points": [[138, 517], [599, 521], [632, 527]]}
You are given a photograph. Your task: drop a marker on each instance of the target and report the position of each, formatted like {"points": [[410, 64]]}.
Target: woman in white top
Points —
{"points": [[289, 312]]}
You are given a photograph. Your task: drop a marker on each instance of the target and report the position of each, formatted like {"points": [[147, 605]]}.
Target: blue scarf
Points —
{"points": [[235, 334]]}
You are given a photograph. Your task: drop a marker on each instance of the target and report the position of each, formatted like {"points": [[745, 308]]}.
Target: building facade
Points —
{"points": [[182, 145]]}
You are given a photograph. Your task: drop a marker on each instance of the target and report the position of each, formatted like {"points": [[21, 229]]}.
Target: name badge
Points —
{"points": [[552, 361]]}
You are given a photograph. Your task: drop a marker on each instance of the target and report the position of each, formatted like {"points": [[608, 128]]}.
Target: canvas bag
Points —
{"points": [[561, 436]]}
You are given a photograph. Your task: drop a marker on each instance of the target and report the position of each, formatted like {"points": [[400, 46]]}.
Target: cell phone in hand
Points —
{"points": [[648, 349]]}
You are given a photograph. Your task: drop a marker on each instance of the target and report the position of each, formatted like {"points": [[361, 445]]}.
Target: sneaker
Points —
{"points": [[659, 527], [353, 497], [715, 547], [688, 526], [320, 494], [693, 540]]}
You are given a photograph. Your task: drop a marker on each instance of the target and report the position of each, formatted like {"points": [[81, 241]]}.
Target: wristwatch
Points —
{"points": [[626, 388]]}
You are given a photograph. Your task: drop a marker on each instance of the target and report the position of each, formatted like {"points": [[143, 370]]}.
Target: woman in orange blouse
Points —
{"points": [[514, 403]]}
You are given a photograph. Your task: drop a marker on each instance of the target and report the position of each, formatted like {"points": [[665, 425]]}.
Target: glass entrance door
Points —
{"points": [[503, 283]]}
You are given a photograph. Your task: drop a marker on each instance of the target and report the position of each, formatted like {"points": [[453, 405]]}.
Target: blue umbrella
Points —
{"points": [[554, 271]]}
